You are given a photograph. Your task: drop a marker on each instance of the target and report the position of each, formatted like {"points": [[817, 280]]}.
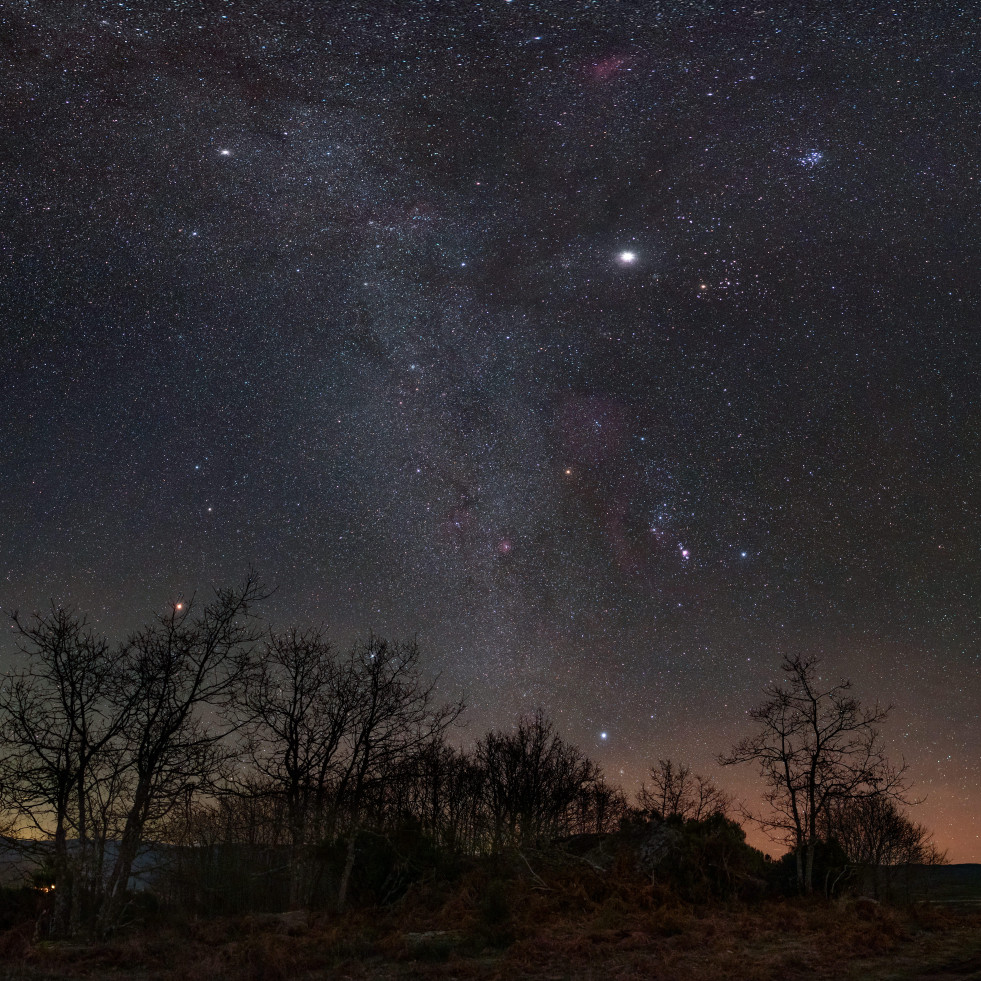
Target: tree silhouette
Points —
{"points": [[816, 747], [532, 780], [60, 722], [182, 675], [394, 715], [301, 703], [677, 792], [875, 834]]}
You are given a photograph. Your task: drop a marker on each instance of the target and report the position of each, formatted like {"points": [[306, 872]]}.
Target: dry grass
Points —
{"points": [[557, 922]]}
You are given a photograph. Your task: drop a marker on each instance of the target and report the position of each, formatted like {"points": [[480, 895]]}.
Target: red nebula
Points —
{"points": [[604, 69]]}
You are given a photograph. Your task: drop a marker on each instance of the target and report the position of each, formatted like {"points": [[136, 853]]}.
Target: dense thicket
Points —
{"points": [[240, 770]]}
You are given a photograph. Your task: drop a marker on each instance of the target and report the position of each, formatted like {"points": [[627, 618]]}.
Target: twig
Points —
{"points": [[533, 872]]}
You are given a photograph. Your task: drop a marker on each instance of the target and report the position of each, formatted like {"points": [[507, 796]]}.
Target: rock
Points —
{"points": [[866, 907], [291, 923], [662, 845]]}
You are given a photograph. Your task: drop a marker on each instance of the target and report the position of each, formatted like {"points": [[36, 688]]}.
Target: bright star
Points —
{"points": [[602, 735], [627, 258]]}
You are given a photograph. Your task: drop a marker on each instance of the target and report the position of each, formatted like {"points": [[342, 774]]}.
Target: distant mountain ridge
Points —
{"points": [[21, 857]]}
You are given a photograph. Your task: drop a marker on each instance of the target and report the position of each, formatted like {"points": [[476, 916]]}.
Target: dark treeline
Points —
{"points": [[266, 771], [264, 846]]}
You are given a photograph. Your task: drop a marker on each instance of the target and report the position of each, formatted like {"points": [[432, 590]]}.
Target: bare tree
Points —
{"points": [[181, 676], [58, 723], [302, 702], [599, 808], [677, 792], [226, 853], [441, 787], [394, 715], [533, 780], [876, 834], [816, 747]]}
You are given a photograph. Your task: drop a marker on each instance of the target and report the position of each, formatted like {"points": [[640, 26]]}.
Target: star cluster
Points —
{"points": [[613, 349]]}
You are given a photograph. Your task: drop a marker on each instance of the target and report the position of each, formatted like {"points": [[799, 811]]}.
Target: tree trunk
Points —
{"points": [[809, 870], [78, 886], [79, 880], [299, 877], [129, 846], [58, 925], [346, 874]]}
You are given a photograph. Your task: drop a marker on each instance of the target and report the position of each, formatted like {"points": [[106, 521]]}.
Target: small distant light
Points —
{"points": [[178, 607], [602, 735], [628, 258], [226, 153]]}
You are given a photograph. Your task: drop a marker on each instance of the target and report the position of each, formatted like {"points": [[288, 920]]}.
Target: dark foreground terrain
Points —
{"points": [[541, 927]]}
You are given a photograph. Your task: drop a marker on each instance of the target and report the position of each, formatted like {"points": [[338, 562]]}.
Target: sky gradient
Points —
{"points": [[613, 349]]}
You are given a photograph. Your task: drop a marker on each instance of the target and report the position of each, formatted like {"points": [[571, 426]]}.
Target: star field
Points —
{"points": [[615, 349]]}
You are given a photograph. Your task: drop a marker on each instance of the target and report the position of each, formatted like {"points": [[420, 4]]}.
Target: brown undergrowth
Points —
{"points": [[530, 916]]}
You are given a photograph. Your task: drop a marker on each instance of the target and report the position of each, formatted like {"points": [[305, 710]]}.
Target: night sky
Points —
{"points": [[614, 349]]}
